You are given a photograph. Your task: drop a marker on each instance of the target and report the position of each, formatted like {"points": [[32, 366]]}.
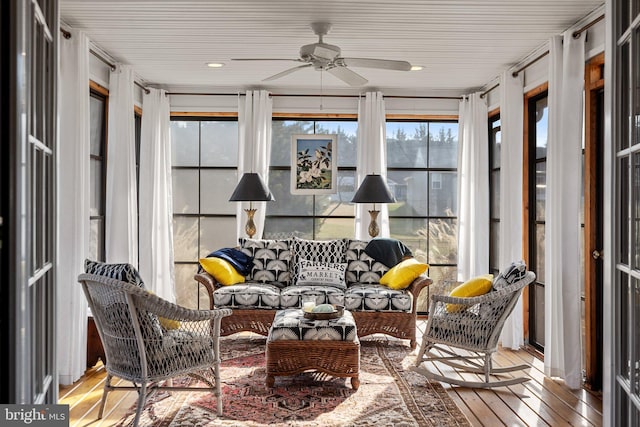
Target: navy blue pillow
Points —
{"points": [[242, 262], [387, 251]]}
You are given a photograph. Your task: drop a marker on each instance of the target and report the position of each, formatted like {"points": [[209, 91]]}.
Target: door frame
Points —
{"points": [[593, 225]]}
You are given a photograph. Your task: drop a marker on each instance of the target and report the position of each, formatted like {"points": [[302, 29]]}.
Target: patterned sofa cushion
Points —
{"points": [[248, 295], [332, 251], [291, 297], [361, 268], [377, 298], [320, 272], [292, 325], [271, 260]]}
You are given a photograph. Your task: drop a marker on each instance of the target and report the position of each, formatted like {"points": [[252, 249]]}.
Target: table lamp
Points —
{"points": [[373, 190], [251, 188]]}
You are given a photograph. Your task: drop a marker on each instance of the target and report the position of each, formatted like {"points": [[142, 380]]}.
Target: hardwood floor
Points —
{"points": [[538, 402]]}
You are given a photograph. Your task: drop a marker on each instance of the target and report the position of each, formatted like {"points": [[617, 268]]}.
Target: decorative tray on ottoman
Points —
{"points": [[338, 311]]}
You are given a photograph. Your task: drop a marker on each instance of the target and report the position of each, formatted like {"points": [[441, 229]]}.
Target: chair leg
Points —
{"points": [[487, 366], [142, 395], [424, 348], [106, 390], [216, 367], [216, 370]]}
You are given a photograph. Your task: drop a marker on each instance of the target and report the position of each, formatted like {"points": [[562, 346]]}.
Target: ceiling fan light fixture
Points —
{"points": [[416, 68], [215, 64]]}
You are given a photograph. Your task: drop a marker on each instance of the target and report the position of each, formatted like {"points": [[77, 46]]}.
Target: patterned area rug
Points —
{"points": [[389, 394]]}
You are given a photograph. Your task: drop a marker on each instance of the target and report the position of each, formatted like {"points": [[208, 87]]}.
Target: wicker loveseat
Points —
{"points": [[275, 283]]}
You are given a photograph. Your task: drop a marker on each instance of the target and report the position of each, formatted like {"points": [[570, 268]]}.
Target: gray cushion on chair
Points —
{"points": [[149, 325], [510, 275], [123, 272]]}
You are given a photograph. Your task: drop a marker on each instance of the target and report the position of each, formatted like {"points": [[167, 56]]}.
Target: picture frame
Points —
{"points": [[314, 166]]}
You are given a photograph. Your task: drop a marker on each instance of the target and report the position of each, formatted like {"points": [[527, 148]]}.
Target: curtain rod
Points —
{"points": [[67, 35], [530, 63], [483, 94], [575, 34], [309, 95]]}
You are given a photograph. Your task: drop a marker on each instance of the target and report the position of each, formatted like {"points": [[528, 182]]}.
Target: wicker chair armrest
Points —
{"points": [[157, 305], [209, 283], [168, 310], [463, 300], [418, 285]]}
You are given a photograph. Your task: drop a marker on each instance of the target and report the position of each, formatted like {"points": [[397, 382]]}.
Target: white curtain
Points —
{"points": [[121, 220], [473, 188], [254, 149], [562, 350], [73, 178], [371, 159], [511, 164], [156, 203]]}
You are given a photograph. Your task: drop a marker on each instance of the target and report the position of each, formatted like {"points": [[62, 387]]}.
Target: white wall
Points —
{"points": [[311, 104]]}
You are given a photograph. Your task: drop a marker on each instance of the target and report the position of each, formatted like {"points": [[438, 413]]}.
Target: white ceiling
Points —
{"points": [[462, 44]]}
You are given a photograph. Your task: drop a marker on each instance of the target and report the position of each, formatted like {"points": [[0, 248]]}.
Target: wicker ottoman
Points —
{"points": [[296, 344]]}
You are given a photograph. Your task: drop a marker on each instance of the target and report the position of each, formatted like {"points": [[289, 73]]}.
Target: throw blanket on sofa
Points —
{"points": [[387, 251]]}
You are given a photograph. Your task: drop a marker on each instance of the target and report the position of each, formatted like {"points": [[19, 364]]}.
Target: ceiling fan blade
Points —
{"points": [[349, 77], [385, 64], [286, 72], [266, 59]]}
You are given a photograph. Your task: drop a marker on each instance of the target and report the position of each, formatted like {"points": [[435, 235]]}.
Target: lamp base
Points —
{"points": [[250, 227], [374, 230]]}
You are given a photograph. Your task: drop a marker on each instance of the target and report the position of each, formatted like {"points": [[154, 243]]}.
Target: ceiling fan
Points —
{"points": [[326, 57]]}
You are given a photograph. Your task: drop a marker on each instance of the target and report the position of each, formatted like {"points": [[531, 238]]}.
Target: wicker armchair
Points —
{"points": [[472, 324], [148, 340]]}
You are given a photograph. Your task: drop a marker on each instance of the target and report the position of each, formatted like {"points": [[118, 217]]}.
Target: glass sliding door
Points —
{"points": [[624, 75], [28, 293]]}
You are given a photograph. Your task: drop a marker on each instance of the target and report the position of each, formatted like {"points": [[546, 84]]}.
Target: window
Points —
{"points": [[137, 128], [494, 194], [98, 167], [311, 216], [422, 159], [536, 115], [204, 171]]}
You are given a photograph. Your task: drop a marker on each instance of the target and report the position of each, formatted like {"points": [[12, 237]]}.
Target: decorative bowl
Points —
{"points": [[337, 312]]}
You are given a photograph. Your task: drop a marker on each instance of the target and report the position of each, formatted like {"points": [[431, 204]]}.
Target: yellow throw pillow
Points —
{"points": [[221, 270], [474, 287], [405, 272], [167, 324]]}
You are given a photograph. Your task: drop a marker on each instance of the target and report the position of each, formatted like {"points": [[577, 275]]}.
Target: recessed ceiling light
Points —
{"points": [[215, 64], [416, 67]]}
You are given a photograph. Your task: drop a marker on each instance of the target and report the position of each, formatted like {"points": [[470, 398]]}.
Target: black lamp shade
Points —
{"points": [[373, 190], [251, 188]]}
